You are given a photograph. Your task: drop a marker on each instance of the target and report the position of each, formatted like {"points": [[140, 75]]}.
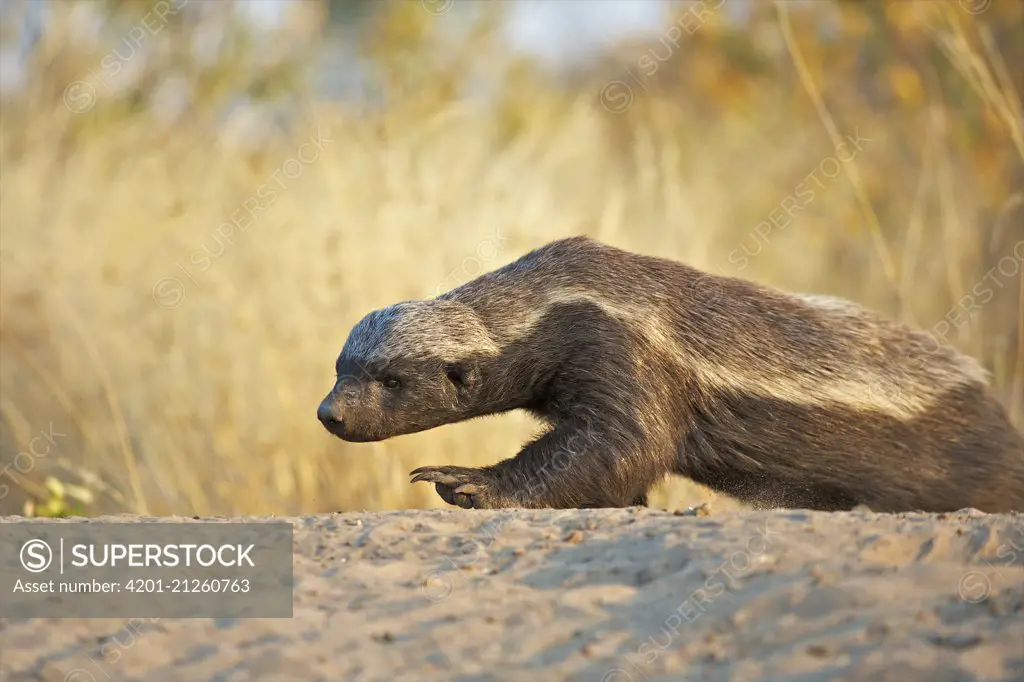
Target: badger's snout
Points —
{"points": [[330, 415], [349, 427]]}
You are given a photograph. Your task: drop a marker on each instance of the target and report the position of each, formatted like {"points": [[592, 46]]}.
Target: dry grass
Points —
{"points": [[207, 406]]}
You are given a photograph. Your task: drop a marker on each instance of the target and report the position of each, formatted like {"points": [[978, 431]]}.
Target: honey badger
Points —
{"points": [[642, 366]]}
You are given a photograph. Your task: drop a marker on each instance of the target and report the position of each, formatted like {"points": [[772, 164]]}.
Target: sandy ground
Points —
{"points": [[597, 595]]}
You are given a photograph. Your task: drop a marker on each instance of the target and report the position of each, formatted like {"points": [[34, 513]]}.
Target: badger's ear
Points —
{"points": [[463, 375]]}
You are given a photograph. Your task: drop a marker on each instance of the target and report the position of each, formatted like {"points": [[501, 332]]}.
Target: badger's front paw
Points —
{"points": [[462, 486]]}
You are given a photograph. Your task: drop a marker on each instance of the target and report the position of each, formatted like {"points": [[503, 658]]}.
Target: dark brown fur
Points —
{"points": [[642, 366]]}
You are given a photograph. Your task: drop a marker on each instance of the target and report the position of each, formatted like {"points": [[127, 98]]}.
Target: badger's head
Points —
{"points": [[407, 368]]}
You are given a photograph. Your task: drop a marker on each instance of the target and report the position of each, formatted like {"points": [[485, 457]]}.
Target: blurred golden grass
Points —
{"points": [[207, 406]]}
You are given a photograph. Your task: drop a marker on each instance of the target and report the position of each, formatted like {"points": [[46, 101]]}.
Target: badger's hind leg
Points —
{"points": [[640, 501], [765, 491]]}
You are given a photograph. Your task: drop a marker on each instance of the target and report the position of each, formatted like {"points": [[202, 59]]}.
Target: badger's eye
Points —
{"points": [[392, 382]]}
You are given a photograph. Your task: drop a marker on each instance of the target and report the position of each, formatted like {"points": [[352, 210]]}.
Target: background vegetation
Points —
{"points": [[155, 361]]}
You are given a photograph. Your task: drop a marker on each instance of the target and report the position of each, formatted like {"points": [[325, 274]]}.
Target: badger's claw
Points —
{"points": [[461, 486]]}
